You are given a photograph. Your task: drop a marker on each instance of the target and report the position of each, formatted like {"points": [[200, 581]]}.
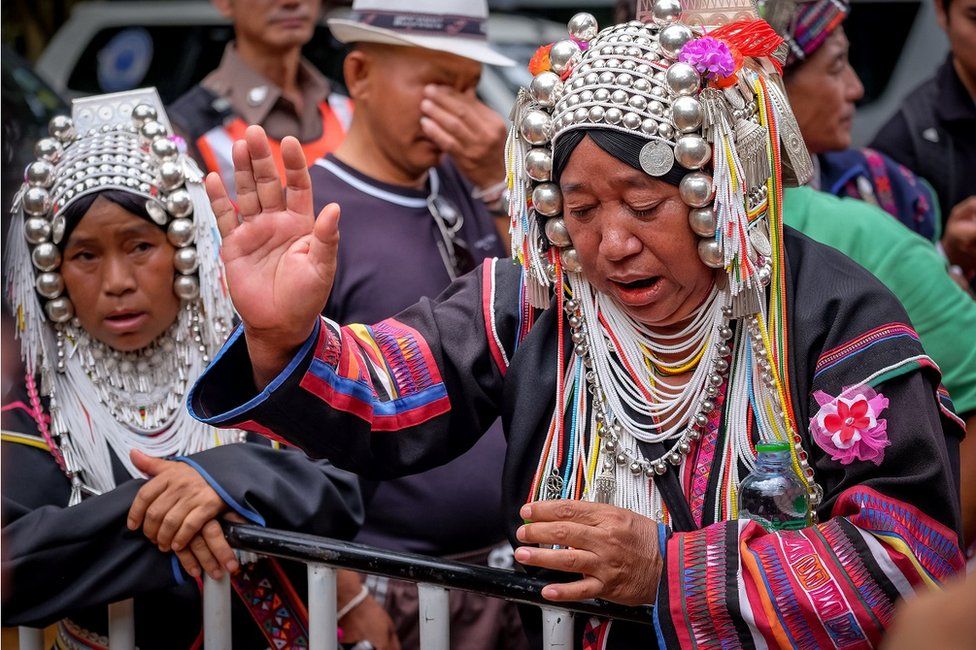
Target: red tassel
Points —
{"points": [[753, 38]]}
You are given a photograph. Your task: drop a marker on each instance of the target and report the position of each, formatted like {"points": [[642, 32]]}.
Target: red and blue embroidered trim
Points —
{"points": [[867, 340]]}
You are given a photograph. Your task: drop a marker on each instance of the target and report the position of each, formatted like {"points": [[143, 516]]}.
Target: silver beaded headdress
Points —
{"points": [[123, 142], [707, 100], [700, 83]]}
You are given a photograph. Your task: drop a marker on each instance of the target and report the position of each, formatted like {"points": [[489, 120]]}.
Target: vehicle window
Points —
{"points": [[178, 57], [171, 58]]}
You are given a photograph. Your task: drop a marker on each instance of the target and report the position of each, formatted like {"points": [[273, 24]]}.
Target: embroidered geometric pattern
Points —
{"points": [[870, 593], [384, 374], [785, 601], [701, 471], [867, 340], [273, 604], [700, 558], [931, 543]]}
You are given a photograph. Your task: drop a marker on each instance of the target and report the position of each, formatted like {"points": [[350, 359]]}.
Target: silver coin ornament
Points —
{"points": [[46, 257], [547, 199], [153, 130], [665, 12], [570, 260], [546, 88], [696, 189], [170, 175], [58, 226], [557, 233], [62, 128], [186, 287], [48, 149], [164, 149], [535, 127], [186, 261], [36, 201], [157, 212], [59, 310], [692, 151], [673, 38], [563, 55], [37, 230], [710, 253], [40, 173], [143, 113], [583, 27], [656, 158], [687, 114], [538, 164], [49, 285], [180, 232], [179, 204], [702, 221], [683, 79]]}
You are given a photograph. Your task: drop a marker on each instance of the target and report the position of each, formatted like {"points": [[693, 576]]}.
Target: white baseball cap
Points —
{"points": [[456, 26]]}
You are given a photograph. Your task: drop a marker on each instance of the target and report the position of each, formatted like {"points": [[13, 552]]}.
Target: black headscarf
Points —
{"points": [[126, 200], [625, 147]]}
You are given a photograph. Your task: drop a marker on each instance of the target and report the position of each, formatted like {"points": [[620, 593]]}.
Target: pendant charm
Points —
{"points": [[604, 487], [554, 487]]}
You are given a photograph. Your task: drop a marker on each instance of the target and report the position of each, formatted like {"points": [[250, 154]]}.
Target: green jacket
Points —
{"points": [[943, 314]]}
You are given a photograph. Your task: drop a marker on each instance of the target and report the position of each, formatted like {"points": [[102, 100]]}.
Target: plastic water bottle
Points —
{"points": [[773, 494]]}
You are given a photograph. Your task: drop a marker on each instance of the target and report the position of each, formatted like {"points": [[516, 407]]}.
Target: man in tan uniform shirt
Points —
{"points": [[263, 79]]}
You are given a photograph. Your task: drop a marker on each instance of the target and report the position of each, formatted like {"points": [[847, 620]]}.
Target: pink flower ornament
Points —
{"points": [[848, 427]]}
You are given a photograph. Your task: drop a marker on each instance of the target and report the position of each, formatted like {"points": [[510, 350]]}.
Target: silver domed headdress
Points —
{"points": [[702, 88], [123, 142], [712, 105]]}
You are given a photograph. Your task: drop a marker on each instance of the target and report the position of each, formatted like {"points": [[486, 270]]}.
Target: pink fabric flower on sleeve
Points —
{"points": [[848, 427]]}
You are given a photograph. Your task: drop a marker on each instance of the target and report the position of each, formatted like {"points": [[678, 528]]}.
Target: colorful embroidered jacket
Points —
{"points": [[71, 562], [416, 390], [871, 176]]}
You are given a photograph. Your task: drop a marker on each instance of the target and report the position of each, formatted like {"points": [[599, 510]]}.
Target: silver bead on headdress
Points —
{"points": [[128, 400]]}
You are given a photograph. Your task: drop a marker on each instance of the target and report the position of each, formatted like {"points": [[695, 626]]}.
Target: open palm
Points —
{"points": [[280, 259]]}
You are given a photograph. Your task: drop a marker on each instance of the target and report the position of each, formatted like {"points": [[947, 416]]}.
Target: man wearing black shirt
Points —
{"points": [[418, 177], [934, 134]]}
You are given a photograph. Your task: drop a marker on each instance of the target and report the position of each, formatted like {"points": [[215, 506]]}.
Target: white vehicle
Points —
{"points": [[115, 46]]}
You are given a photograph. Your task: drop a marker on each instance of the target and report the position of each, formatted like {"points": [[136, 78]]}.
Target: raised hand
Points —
{"points": [[279, 258]]}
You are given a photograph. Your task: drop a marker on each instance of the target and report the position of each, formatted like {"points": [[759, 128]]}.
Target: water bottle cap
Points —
{"points": [[769, 447]]}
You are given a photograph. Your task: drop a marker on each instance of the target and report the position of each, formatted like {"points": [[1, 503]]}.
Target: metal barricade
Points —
{"points": [[435, 578]]}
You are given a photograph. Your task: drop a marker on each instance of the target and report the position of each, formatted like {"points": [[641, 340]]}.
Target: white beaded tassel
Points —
{"points": [[31, 321]]}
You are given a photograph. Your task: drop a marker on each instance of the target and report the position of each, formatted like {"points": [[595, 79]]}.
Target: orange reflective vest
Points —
{"points": [[215, 145]]}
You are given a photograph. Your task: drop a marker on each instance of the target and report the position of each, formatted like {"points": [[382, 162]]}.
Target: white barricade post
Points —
{"points": [[31, 638], [216, 613], [435, 618], [322, 606], [557, 629], [122, 625]]}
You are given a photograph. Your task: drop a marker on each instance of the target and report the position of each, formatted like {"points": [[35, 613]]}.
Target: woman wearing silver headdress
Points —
{"points": [[660, 323], [114, 278]]}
